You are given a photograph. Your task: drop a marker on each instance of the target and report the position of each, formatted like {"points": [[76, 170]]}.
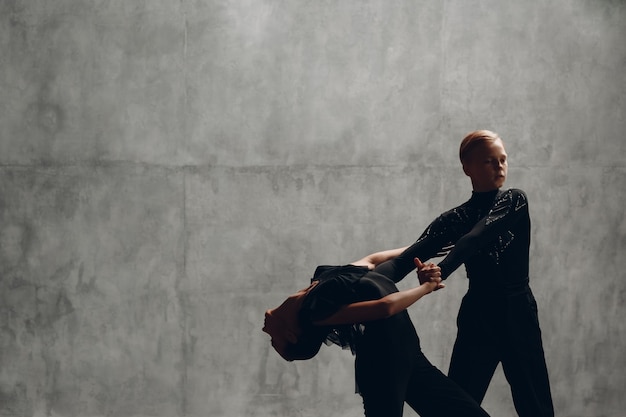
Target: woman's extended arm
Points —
{"points": [[381, 308], [377, 258]]}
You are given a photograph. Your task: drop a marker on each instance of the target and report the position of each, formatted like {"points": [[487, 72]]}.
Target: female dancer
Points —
{"points": [[359, 305]]}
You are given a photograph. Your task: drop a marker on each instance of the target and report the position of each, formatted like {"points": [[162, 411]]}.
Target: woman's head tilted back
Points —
{"points": [[307, 345], [293, 338]]}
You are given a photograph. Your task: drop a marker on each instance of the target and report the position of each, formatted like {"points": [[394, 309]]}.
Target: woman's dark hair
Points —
{"points": [[308, 344]]}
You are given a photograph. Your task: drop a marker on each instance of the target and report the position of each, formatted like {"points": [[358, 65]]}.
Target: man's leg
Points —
{"points": [[476, 350], [524, 362]]}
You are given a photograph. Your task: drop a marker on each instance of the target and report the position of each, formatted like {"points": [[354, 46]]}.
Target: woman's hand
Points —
{"points": [[434, 284], [429, 274]]}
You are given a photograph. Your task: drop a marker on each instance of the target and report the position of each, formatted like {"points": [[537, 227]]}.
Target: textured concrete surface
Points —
{"points": [[169, 170]]}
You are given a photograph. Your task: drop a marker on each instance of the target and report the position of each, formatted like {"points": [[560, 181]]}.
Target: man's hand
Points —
{"points": [[429, 273]]}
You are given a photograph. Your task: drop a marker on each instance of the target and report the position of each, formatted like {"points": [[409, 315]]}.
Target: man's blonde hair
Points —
{"points": [[474, 140]]}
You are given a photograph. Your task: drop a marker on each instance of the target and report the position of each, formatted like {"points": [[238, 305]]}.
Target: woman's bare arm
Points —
{"points": [[379, 309], [377, 258]]}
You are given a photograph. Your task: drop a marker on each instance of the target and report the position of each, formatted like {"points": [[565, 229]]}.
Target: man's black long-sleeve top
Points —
{"points": [[491, 234]]}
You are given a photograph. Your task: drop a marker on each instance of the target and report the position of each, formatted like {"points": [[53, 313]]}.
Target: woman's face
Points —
{"points": [[281, 323], [487, 166]]}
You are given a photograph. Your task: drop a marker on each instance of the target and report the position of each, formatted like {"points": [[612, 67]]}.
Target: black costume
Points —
{"points": [[390, 367], [497, 320]]}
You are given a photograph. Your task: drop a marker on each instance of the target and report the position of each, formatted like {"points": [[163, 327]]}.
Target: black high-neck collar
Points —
{"points": [[486, 197]]}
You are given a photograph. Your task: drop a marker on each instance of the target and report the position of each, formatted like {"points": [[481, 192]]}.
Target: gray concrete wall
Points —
{"points": [[170, 169]]}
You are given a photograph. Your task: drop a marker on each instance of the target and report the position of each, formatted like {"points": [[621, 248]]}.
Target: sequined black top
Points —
{"points": [[491, 234]]}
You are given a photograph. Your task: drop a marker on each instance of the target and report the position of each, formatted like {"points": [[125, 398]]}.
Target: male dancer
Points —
{"points": [[497, 320]]}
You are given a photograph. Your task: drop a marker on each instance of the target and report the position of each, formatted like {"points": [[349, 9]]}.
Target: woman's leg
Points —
{"points": [[431, 394], [383, 399], [382, 385]]}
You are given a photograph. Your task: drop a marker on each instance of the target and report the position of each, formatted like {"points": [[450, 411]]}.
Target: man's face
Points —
{"points": [[487, 166]]}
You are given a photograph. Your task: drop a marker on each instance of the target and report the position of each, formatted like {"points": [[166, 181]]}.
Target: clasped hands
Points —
{"points": [[429, 273]]}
